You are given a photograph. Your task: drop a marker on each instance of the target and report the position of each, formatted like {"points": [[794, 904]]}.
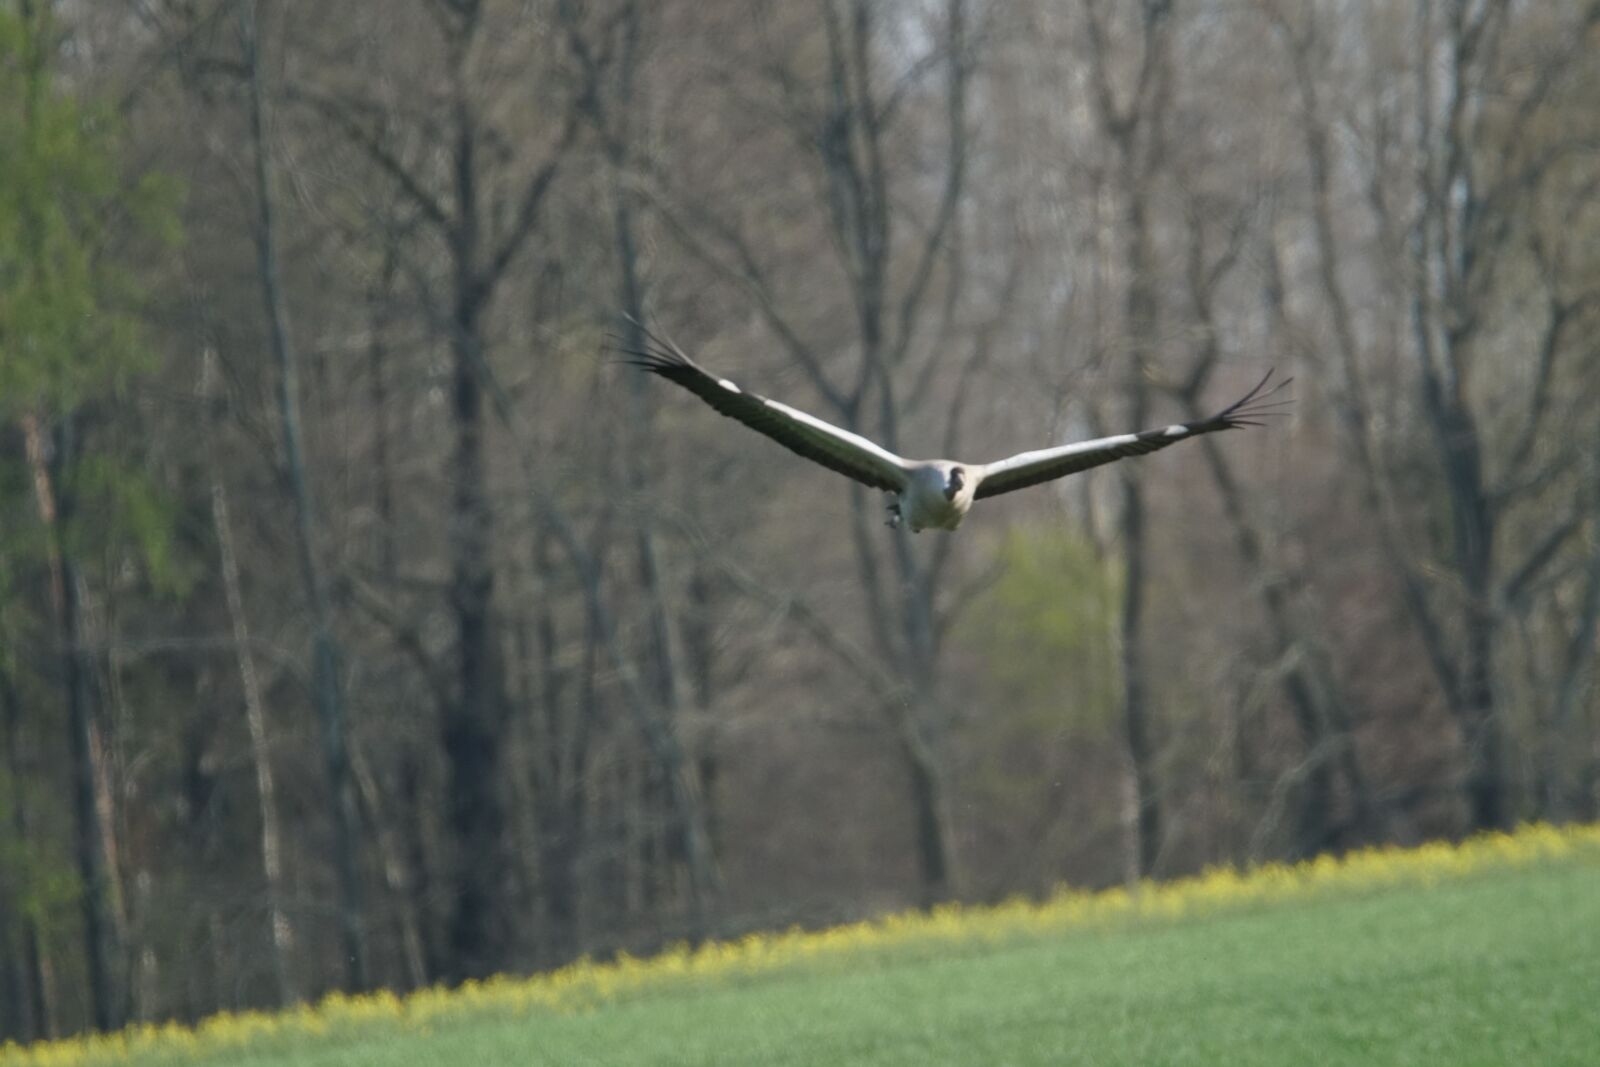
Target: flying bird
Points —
{"points": [[929, 494]]}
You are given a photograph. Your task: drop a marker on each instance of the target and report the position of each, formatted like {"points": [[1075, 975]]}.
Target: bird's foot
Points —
{"points": [[894, 516]]}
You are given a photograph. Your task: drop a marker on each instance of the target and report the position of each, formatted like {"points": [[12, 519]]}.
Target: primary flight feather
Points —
{"points": [[929, 493]]}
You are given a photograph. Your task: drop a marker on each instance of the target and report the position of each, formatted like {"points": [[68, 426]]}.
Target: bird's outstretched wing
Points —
{"points": [[1032, 468], [806, 435]]}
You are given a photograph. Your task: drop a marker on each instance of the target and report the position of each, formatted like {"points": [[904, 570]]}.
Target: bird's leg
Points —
{"points": [[894, 513]]}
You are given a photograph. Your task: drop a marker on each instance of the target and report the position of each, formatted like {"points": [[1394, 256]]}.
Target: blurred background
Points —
{"points": [[364, 623]]}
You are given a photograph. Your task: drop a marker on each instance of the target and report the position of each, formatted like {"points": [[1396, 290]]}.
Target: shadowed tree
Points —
{"points": [[1478, 152], [477, 212], [843, 109], [66, 339], [1134, 126], [326, 684], [1317, 699], [614, 109]]}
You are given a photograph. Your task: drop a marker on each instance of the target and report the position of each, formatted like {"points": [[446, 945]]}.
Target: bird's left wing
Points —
{"points": [[1031, 468], [839, 450]]}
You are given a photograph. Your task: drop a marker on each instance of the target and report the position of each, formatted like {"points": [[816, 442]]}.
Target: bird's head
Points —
{"points": [[953, 482]]}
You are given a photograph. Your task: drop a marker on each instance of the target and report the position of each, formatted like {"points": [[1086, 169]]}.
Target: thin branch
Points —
{"points": [[532, 200], [1558, 315], [746, 274], [339, 113], [955, 172], [1541, 555], [407, 635]]}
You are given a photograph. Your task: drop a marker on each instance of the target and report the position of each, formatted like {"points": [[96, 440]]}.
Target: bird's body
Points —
{"points": [[937, 496], [931, 494]]}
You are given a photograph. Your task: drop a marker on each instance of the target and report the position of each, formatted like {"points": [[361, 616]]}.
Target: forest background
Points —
{"points": [[363, 623]]}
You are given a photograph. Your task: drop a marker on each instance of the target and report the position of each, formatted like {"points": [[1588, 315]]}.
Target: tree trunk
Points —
{"points": [[378, 401], [326, 688], [55, 496], [1562, 799], [1145, 815], [700, 654], [280, 928], [1314, 694], [560, 771], [471, 729], [560, 852], [617, 117], [400, 832], [419, 870], [26, 999], [1456, 439], [922, 731], [1488, 805], [1134, 131], [934, 875], [846, 118], [479, 863], [15, 993], [102, 938]]}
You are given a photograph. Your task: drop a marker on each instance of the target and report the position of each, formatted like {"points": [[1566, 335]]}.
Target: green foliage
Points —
{"points": [[39, 882], [65, 324], [18, 540], [1047, 629], [131, 512], [69, 326]]}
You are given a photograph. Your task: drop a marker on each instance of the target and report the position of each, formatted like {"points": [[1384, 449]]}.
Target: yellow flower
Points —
{"points": [[585, 983]]}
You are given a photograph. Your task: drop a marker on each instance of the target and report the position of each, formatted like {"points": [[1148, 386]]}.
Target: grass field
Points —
{"points": [[1494, 961]]}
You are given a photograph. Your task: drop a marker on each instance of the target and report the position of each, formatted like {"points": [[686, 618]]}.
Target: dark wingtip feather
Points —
{"points": [[656, 353], [1256, 405]]}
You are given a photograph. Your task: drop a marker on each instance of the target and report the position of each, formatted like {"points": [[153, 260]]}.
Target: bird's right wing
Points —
{"points": [[821, 442], [1031, 468]]}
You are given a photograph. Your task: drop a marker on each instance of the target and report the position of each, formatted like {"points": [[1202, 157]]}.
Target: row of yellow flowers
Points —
{"points": [[586, 983]]}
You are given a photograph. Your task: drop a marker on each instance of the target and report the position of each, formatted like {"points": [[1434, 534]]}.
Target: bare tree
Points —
{"points": [[1474, 175], [1315, 694], [628, 685], [1563, 793], [29, 1008], [614, 110], [483, 215], [1135, 129], [843, 121], [326, 683], [103, 933], [280, 926]]}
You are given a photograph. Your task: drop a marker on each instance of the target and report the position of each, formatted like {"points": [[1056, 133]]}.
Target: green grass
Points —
{"points": [[1501, 967]]}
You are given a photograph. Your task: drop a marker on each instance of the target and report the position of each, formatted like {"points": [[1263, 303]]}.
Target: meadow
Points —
{"points": [[1487, 952]]}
